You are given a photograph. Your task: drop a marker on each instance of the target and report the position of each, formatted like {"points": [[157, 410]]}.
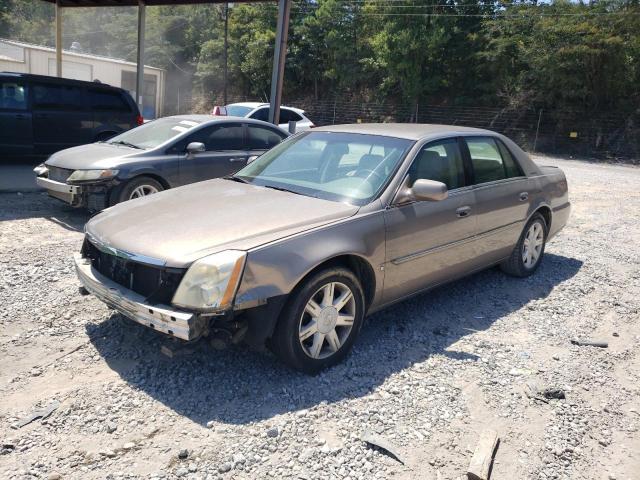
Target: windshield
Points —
{"points": [[343, 167], [154, 133], [238, 110]]}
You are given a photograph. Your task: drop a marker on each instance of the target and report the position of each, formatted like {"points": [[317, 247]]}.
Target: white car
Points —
{"points": [[260, 111]]}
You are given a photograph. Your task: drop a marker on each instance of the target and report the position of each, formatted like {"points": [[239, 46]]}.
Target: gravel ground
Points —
{"points": [[428, 374]]}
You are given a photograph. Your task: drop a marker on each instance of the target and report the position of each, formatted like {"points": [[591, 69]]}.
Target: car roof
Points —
{"points": [[50, 79], [254, 105], [410, 131]]}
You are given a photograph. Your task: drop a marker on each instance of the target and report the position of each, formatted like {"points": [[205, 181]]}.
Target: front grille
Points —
{"points": [[58, 174], [156, 284]]}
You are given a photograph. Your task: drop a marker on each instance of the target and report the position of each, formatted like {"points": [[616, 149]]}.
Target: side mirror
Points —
{"points": [[431, 190], [195, 147], [421, 189]]}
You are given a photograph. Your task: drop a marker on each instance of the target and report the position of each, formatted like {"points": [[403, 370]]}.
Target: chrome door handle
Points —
{"points": [[524, 196], [463, 212], [237, 159]]}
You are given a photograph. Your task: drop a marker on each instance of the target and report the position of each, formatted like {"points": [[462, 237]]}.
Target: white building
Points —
{"points": [[27, 58]]}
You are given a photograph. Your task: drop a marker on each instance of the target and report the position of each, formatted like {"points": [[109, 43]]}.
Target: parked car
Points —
{"points": [[40, 115], [156, 156], [329, 226], [260, 111]]}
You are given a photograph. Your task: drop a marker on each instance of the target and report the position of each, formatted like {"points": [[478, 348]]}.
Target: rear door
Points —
{"points": [[225, 152], [429, 242], [261, 139], [16, 133], [60, 116], [502, 194]]}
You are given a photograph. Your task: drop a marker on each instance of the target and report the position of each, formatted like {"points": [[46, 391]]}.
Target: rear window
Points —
{"points": [[110, 101], [287, 116], [57, 97]]}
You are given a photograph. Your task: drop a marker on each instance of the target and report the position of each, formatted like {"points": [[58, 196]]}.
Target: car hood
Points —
{"points": [[179, 226], [91, 156]]}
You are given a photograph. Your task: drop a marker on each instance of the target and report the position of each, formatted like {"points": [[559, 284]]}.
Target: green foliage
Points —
{"points": [[562, 54]]}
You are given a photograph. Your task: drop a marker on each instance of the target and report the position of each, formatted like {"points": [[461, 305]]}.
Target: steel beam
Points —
{"points": [[140, 58], [58, 39], [279, 56]]}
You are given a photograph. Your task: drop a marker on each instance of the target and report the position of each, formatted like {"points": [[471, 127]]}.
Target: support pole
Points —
{"points": [[535, 141], [226, 49], [58, 39], [140, 59], [280, 53]]}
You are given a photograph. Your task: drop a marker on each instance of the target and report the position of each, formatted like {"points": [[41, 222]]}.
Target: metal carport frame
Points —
{"points": [[280, 52]]}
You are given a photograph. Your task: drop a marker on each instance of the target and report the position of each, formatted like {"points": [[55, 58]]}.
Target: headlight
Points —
{"points": [[211, 282], [41, 169], [84, 175]]}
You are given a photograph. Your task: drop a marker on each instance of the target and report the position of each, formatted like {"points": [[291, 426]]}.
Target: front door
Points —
{"points": [[429, 242], [16, 133], [225, 153], [502, 196]]}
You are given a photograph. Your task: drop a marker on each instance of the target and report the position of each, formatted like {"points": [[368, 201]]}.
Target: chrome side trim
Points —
{"points": [[176, 323], [457, 243], [134, 257]]}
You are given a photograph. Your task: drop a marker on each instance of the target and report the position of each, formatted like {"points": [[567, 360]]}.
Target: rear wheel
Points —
{"points": [[139, 187], [529, 250], [321, 321]]}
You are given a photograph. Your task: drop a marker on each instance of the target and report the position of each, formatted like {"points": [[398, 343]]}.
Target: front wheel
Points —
{"points": [[529, 250], [321, 321], [139, 187]]}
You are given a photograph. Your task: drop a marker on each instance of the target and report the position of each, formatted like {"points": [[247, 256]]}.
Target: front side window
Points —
{"points": [[345, 167], [220, 137], [13, 96], [489, 164], [440, 161], [155, 133]]}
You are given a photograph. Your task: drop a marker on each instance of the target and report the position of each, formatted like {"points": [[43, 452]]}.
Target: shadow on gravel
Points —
{"points": [[15, 206], [238, 386]]}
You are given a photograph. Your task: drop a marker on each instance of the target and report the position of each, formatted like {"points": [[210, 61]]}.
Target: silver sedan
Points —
{"points": [[295, 249]]}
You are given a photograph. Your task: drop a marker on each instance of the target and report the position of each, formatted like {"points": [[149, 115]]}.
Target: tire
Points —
{"points": [[134, 187], [296, 319], [519, 264]]}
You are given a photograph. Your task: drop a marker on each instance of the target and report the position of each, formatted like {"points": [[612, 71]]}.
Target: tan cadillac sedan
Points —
{"points": [[294, 250]]}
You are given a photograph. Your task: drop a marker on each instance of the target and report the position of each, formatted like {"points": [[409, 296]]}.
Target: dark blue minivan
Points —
{"points": [[40, 115]]}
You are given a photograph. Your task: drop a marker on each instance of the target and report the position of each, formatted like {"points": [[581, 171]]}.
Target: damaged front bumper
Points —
{"points": [[166, 319], [70, 194]]}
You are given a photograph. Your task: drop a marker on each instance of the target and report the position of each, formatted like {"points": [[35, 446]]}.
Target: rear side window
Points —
{"points": [[57, 97], [487, 161], [261, 138], [440, 161], [13, 96], [261, 114], [511, 166], [287, 116], [108, 101]]}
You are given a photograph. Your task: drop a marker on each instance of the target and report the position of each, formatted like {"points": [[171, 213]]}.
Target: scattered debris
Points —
{"points": [[585, 342], [41, 413], [480, 466], [273, 432], [7, 447], [184, 453], [382, 443], [555, 393]]}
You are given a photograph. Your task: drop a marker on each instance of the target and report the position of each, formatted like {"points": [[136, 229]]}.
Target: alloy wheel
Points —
{"points": [[327, 320], [143, 191]]}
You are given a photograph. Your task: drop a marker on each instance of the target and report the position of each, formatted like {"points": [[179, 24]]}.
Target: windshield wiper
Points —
{"points": [[233, 178], [281, 189], [126, 144]]}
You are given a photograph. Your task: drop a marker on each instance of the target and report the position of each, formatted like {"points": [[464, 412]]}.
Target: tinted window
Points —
{"points": [[440, 161], [108, 101], [261, 114], [261, 138], [220, 137], [486, 159], [13, 96], [287, 116], [511, 166], [57, 97]]}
